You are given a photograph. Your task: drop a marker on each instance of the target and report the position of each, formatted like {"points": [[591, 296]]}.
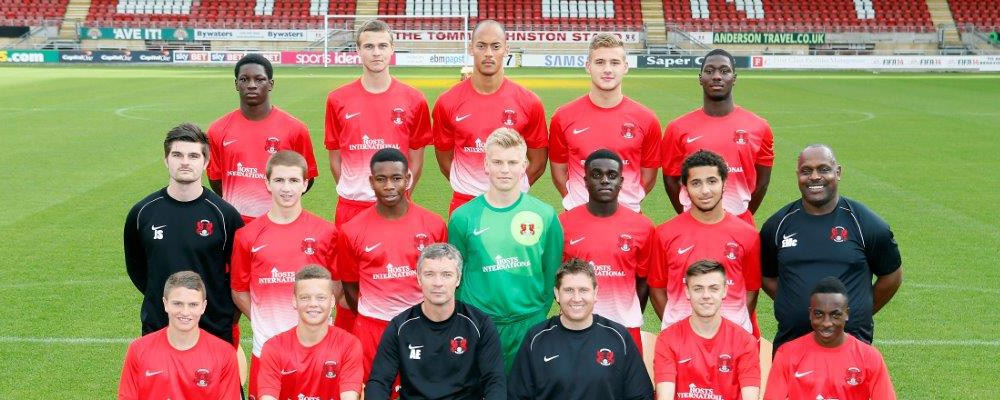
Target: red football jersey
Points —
{"points": [[742, 138], [290, 370], [381, 255], [360, 123], [854, 370], [464, 118], [240, 149], [700, 368], [154, 369], [620, 248], [683, 240], [629, 129], [266, 257]]}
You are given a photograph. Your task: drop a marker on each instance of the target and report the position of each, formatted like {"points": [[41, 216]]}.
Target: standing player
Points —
{"points": [[706, 231], [742, 138], [825, 234], [374, 112], [512, 242], [468, 112], [441, 348], [827, 364], [313, 360], [378, 251], [578, 355], [616, 241], [605, 119], [182, 227], [180, 361], [705, 356], [270, 249], [242, 141]]}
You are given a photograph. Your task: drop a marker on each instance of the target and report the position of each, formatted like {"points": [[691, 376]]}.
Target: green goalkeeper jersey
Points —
{"points": [[511, 256]]}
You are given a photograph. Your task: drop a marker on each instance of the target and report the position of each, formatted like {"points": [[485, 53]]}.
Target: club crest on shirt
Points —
{"points": [[740, 136], [526, 227], [203, 227], [605, 357], [459, 345], [627, 129], [397, 115], [309, 246], [732, 250], [330, 369], [625, 242], [421, 241], [838, 234], [509, 117], [202, 377], [725, 363], [853, 377], [271, 144]]}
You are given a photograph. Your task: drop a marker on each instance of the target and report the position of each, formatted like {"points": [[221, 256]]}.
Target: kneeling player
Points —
{"points": [[313, 359], [578, 355], [180, 361], [705, 355], [827, 364]]}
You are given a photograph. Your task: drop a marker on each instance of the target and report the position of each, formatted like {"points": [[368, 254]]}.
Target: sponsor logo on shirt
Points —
{"points": [[277, 277], [735, 170], [606, 271], [480, 147], [414, 351], [506, 263], [158, 231], [246, 172], [394, 272], [368, 143], [304, 397], [695, 392]]}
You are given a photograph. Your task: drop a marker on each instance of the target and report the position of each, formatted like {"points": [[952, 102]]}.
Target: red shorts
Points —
{"points": [[753, 325], [347, 209], [457, 200], [252, 384], [636, 334], [369, 332], [236, 334], [345, 319]]}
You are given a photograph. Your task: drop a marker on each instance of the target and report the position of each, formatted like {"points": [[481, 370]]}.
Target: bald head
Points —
{"points": [[488, 23], [819, 149]]}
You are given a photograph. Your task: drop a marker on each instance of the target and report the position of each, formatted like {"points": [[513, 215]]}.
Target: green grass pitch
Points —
{"points": [[80, 145]]}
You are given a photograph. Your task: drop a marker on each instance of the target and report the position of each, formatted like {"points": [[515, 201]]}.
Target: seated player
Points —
{"points": [[827, 364], [578, 355], [705, 355], [441, 348], [180, 361], [313, 360]]}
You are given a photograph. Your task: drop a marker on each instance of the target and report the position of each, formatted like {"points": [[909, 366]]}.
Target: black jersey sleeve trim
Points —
{"points": [[400, 330], [473, 323], [850, 211], [222, 216], [532, 345], [138, 215], [622, 338], [777, 230]]}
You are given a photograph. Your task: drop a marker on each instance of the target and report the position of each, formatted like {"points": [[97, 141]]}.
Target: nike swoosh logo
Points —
{"points": [[579, 131], [577, 240], [550, 358], [412, 347], [685, 250], [156, 228], [801, 374], [226, 143], [685, 360], [691, 140], [478, 232], [283, 372], [349, 116], [462, 117], [368, 249], [786, 237], [257, 248], [153, 373]]}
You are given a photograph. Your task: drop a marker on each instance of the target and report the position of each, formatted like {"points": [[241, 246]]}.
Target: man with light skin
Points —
{"points": [[375, 111], [605, 119], [181, 360], [705, 355], [441, 348], [472, 109], [314, 359]]}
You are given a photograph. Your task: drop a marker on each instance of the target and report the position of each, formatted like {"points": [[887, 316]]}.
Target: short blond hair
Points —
{"points": [[605, 40], [506, 138], [287, 158], [372, 25]]}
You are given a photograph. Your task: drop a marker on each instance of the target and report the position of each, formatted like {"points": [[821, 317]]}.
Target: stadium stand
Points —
{"points": [[31, 12], [983, 14], [237, 14], [550, 15], [799, 15]]}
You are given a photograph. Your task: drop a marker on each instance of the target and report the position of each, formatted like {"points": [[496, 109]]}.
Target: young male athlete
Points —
{"points": [[242, 141], [616, 241], [578, 355], [742, 138], [313, 360], [512, 243], [183, 227], [605, 119], [180, 361], [472, 109], [826, 234], [374, 112], [827, 364], [706, 231], [379, 248], [705, 356], [441, 348], [269, 250]]}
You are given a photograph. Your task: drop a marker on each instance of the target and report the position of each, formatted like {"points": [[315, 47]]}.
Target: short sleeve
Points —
{"points": [[269, 375], [881, 248], [765, 155], [748, 361], [535, 132], [664, 360], [672, 154], [443, 131], [128, 388], [305, 148], [657, 276], [558, 152], [645, 258], [332, 124], [751, 263], [352, 372], [239, 264], [347, 267], [215, 168], [777, 378], [768, 249], [420, 132], [651, 142]]}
